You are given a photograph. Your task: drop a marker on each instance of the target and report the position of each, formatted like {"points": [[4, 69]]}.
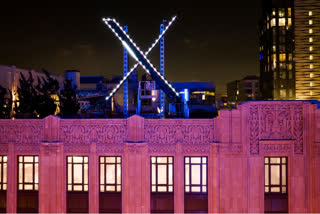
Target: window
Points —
{"points": [[282, 39], [310, 22], [273, 12], [162, 197], [196, 193], [283, 93], [311, 48], [195, 174], [311, 75], [161, 174], [273, 22], [311, 84], [289, 12], [282, 48], [311, 66], [3, 172], [282, 21], [281, 12], [282, 57], [77, 173], [275, 175], [110, 174], [289, 21], [311, 57], [310, 39], [310, 30], [310, 13], [28, 173], [282, 75]]}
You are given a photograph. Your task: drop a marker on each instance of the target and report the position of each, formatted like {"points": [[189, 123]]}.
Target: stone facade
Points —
{"points": [[235, 142]]}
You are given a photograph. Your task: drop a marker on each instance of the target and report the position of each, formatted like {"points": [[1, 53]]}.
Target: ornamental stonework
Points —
{"points": [[22, 132], [164, 149], [78, 132], [278, 121], [279, 148], [110, 148], [172, 131], [3, 148]]}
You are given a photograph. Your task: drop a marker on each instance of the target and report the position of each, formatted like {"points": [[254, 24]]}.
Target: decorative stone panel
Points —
{"points": [[276, 121], [172, 131]]}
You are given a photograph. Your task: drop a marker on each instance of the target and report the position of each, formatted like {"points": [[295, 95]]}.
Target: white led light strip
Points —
{"points": [[144, 55], [136, 65]]}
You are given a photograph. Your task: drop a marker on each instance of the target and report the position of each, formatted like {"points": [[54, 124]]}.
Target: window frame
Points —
{"points": [[3, 160], [83, 184], [105, 177], [201, 185], [33, 183], [269, 186], [167, 185]]}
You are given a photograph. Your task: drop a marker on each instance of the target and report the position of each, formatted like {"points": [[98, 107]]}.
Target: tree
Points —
{"points": [[5, 103], [25, 105], [47, 88], [69, 105]]}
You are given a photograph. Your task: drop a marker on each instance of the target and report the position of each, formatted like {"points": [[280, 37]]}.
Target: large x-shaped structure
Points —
{"points": [[141, 58]]}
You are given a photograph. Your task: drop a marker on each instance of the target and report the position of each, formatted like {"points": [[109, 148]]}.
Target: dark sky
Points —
{"points": [[209, 42]]}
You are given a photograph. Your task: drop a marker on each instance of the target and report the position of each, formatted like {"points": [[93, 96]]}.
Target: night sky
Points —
{"points": [[209, 42]]}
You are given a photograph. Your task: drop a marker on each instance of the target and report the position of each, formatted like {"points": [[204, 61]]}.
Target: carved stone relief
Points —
{"points": [[276, 122]]}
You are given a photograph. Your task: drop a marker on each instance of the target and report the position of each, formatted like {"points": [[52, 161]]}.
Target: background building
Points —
{"points": [[307, 49], [244, 89], [276, 33], [202, 98], [290, 49], [10, 75], [233, 92]]}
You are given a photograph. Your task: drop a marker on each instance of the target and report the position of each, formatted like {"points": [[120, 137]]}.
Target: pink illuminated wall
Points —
{"points": [[236, 143]]}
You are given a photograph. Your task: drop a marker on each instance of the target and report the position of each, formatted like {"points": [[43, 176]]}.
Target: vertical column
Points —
{"points": [[125, 85], [213, 181], [179, 180], [162, 96], [255, 184], [297, 184], [136, 169], [12, 182], [93, 180], [136, 196], [51, 169], [51, 178], [125, 181]]}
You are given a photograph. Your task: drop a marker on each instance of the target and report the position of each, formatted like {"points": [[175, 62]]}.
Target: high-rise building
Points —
{"points": [[307, 49], [289, 32], [277, 49], [242, 90]]}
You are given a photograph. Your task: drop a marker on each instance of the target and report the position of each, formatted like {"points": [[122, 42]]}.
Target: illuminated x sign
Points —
{"points": [[141, 58]]}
